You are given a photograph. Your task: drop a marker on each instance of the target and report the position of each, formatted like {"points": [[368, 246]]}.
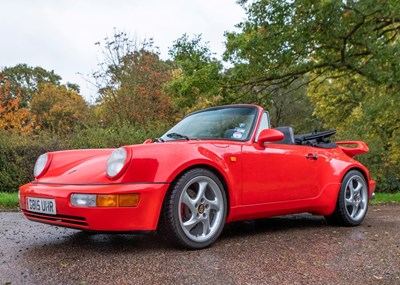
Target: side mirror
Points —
{"points": [[270, 135]]}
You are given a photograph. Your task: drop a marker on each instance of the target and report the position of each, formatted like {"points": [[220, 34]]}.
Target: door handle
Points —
{"points": [[312, 156]]}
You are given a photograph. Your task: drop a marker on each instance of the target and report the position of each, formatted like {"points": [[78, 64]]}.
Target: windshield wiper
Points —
{"points": [[177, 136]]}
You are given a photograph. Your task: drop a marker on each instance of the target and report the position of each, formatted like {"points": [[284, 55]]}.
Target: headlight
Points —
{"points": [[118, 162], [41, 165]]}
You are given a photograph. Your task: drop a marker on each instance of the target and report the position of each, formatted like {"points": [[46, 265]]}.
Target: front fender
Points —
{"points": [[164, 162]]}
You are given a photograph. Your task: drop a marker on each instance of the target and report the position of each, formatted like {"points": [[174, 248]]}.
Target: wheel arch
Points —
{"points": [[214, 170], [359, 169], [203, 166]]}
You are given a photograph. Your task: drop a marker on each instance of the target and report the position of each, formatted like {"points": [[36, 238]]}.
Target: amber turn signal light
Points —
{"points": [[121, 200], [128, 200]]}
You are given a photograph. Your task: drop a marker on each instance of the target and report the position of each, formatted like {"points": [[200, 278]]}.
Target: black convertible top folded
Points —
{"points": [[318, 139]]}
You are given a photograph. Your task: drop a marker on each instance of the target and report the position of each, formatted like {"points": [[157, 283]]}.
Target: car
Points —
{"points": [[216, 166]]}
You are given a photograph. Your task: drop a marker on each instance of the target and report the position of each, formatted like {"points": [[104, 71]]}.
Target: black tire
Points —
{"points": [[194, 210], [352, 202]]}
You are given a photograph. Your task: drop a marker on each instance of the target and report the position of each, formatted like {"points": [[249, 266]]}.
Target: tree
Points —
{"points": [[198, 76], [24, 81], [131, 80], [283, 40], [58, 109], [12, 116], [289, 107]]}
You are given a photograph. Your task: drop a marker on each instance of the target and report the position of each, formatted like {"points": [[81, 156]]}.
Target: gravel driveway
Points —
{"points": [[299, 249]]}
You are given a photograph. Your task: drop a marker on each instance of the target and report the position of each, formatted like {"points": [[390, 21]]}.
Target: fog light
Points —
{"points": [[83, 200]]}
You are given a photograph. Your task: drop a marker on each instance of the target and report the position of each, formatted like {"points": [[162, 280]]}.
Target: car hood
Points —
{"points": [[77, 167]]}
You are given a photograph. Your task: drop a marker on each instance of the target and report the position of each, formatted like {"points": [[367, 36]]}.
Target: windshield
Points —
{"points": [[232, 123]]}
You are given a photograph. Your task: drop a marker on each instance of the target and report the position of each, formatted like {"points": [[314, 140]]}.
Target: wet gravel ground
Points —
{"points": [[299, 249]]}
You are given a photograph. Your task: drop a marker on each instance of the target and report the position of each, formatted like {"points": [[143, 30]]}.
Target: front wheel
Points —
{"points": [[194, 210], [352, 202]]}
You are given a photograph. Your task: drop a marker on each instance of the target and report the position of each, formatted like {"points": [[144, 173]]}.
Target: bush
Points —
{"points": [[18, 153], [126, 134]]}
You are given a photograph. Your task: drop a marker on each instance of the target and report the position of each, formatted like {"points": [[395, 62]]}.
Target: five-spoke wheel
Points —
{"points": [[195, 209]]}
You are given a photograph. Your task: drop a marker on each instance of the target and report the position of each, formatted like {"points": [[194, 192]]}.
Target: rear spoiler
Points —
{"points": [[357, 147]]}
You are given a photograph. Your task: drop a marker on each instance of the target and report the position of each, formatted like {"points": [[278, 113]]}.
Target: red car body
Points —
{"points": [[260, 179]]}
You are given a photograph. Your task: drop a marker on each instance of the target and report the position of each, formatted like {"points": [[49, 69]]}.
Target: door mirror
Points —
{"points": [[270, 135]]}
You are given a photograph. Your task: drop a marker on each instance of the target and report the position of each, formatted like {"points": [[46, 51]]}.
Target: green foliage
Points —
{"points": [[284, 45], [198, 77], [282, 40], [18, 153], [25, 80], [359, 110], [191, 55], [292, 108], [287, 106], [124, 134]]}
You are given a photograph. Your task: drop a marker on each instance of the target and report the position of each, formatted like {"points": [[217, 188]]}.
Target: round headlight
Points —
{"points": [[118, 162], [41, 165]]}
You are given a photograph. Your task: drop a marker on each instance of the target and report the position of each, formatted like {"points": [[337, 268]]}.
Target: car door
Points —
{"points": [[279, 173]]}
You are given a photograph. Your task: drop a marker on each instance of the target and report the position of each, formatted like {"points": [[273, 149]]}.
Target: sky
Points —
{"points": [[60, 35]]}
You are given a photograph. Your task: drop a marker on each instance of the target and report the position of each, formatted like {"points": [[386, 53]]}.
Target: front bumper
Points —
{"points": [[144, 217]]}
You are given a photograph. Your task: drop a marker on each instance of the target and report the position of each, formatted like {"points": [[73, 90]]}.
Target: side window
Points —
{"points": [[264, 124]]}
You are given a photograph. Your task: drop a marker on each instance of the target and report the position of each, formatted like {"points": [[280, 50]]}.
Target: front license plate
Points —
{"points": [[41, 205]]}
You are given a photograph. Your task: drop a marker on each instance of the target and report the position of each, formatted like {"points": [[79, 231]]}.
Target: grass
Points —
{"points": [[10, 200], [386, 198]]}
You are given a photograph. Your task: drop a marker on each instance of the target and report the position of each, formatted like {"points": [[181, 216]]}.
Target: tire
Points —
{"points": [[352, 202], [194, 210]]}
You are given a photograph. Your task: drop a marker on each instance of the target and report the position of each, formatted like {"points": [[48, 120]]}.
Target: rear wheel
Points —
{"points": [[194, 210], [352, 202]]}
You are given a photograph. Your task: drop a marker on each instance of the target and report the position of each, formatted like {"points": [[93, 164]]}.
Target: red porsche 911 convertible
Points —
{"points": [[216, 166]]}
